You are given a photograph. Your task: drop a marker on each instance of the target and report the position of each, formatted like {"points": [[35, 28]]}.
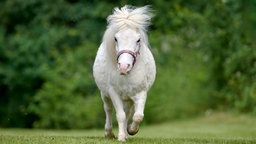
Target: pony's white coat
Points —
{"points": [[127, 93]]}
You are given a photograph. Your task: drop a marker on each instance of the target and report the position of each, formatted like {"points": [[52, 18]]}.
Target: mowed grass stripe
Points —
{"points": [[220, 128], [102, 140]]}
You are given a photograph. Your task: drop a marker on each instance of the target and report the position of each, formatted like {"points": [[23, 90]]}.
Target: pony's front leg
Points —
{"points": [[139, 104], [108, 110], [120, 115]]}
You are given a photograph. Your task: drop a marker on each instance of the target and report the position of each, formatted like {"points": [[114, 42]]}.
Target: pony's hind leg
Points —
{"points": [[108, 110], [128, 109]]}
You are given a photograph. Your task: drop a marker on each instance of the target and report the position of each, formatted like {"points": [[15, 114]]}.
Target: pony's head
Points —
{"points": [[126, 35], [128, 45]]}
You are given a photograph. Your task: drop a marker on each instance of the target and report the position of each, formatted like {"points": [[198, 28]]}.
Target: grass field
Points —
{"points": [[218, 128]]}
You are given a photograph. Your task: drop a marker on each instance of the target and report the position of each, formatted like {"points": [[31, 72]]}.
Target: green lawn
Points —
{"points": [[218, 128]]}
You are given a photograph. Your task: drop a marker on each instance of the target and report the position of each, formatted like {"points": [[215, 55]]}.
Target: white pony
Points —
{"points": [[124, 69]]}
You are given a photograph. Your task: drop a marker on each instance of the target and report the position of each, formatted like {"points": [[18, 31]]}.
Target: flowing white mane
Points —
{"points": [[127, 16]]}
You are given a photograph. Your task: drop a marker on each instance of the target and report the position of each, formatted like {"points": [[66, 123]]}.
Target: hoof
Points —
{"points": [[110, 135], [132, 131], [122, 138]]}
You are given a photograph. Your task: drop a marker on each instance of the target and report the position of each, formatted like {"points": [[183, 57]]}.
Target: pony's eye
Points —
{"points": [[138, 40], [115, 39]]}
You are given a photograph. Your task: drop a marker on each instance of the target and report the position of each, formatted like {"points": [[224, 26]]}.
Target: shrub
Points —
{"points": [[67, 99]]}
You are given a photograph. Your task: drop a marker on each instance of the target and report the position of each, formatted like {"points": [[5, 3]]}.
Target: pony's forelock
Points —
{"points": [[128, 16]]}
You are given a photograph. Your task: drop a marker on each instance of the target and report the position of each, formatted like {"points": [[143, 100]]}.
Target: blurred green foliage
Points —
{"points": [[204, 50]]}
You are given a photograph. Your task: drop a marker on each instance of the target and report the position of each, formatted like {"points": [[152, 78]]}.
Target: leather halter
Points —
{"points": [[133, 54]]}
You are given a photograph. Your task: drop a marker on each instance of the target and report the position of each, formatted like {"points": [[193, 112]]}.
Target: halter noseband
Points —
{"points": [[133, 54]]}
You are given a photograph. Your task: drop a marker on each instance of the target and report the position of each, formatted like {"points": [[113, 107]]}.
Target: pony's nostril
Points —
{"points": [[123, 68], [120, 66]]}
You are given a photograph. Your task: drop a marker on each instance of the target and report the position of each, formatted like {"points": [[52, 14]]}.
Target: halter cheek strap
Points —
{"points": [[133, 54]]}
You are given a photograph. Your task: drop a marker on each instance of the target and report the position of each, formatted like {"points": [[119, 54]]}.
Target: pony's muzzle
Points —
{"points": [[124, 68]]}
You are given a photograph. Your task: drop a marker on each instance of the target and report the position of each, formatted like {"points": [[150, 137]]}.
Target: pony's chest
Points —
{"points": [[128, 85]]}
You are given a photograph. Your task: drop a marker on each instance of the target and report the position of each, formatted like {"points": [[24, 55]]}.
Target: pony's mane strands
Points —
{"points": [[128, 16]]}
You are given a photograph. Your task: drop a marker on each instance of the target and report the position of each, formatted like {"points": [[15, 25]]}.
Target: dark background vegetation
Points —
{"points": [[204, 51]]}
